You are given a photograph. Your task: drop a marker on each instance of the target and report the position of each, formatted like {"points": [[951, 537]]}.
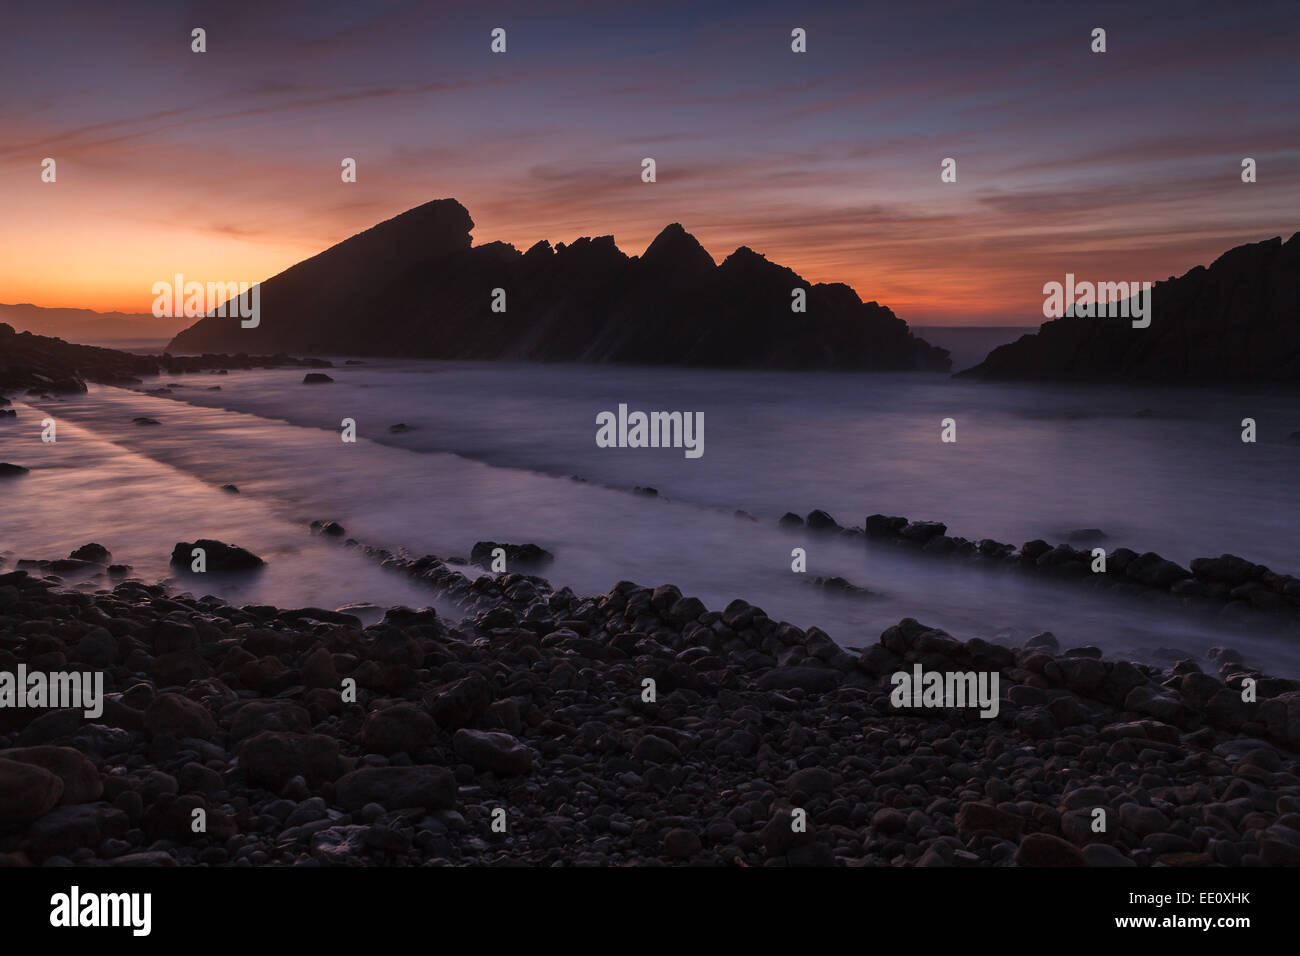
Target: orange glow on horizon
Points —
{"points": [[115, 273]]}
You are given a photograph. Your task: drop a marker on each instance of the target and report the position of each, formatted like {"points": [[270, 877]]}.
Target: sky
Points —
{"points": [[225, 165]]}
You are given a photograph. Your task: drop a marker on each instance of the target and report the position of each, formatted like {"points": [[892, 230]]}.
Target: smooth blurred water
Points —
{"points": [[86, 488], [494, 447]]}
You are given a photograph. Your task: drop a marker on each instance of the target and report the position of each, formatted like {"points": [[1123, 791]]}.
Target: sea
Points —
{"points": [[507, 452]]}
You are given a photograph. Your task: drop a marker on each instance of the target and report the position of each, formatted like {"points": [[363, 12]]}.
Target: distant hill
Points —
{"points": [[968, 344], [92, 328], [415, 286], [1237, 321]]}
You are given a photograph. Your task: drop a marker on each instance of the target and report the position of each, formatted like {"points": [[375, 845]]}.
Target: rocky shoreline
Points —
{"points": [[42, 365], [1228, 585], [525, 734]]}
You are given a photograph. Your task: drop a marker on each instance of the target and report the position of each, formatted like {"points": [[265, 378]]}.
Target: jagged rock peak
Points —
{"points": [[676, 248]]}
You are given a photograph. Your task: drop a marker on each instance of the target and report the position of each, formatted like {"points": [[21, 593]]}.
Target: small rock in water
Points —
{"points": [[64, 565], [316, 378], [10, 470], [1045, 641], [93, 552], [230, 489], [400, 427], [840, 585], [529, 555], [218, 556], [143, 420], [366, 613], [821, 521], [923, 531]]}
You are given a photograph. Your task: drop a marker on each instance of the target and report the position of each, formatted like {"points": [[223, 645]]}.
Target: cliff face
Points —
{"points": [[326, 301], [414, 286], [1236, 322]]}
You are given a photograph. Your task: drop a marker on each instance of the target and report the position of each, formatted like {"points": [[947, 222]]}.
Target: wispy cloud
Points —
{"points": [[826, 161]]}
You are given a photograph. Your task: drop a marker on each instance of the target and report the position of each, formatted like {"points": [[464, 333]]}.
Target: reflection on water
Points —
{"points": [[83, 488], [492, 448]]}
